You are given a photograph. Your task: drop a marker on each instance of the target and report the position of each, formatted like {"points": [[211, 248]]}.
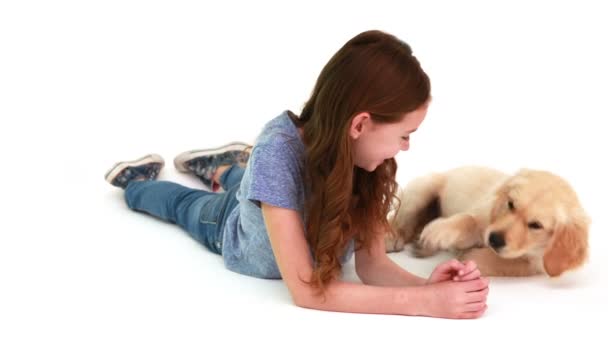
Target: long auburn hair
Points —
{"points": [[373, 72]]}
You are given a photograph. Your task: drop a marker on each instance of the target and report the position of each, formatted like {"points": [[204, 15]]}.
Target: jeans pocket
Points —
{"points": [[213, 217], [210, 213], [210, 223]]}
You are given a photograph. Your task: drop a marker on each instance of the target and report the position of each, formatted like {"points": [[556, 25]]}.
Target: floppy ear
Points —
{"points": [[568, 249]]}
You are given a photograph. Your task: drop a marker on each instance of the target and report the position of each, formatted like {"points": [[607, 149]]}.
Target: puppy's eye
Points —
{"points": [[535, 225], [511, 205]]}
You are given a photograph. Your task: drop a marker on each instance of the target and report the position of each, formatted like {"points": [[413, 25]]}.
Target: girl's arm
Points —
{"points": [[286, 232], [374, 267], [463, 299]]}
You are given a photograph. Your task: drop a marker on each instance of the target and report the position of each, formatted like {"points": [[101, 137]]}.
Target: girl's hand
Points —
{"points": [[456, 299], [469, 272], [454, 270]]}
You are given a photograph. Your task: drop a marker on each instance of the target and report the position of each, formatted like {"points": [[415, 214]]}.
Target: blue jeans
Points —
{"points": [[201, 213]]}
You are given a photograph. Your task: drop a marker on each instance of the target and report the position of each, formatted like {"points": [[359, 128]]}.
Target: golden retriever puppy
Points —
{"points": [[510, 225]]}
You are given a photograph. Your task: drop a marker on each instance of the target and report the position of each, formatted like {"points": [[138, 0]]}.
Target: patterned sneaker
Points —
{"points": [[204, 163], [144, 168]]}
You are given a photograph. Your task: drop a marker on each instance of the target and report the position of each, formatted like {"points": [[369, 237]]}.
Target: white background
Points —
{"points": [[85, 84]]}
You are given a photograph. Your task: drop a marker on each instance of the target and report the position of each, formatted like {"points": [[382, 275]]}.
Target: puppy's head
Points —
{"points": [[537, 214]]}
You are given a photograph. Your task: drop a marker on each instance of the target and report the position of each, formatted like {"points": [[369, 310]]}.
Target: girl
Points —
{"points": [[316, 189]]}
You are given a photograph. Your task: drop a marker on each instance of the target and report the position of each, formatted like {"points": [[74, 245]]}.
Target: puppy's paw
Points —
{"points": [[436, 237], [395, 244], [421, 250]]}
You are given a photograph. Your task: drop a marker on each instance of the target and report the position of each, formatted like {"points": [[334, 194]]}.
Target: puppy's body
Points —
{"points": [[518, 225]]}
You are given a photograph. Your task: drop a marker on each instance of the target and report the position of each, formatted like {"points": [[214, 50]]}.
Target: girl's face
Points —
{"points": [[373, 143]]}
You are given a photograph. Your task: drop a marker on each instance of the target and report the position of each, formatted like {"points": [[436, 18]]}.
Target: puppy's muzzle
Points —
{"points": [[496, 240]]}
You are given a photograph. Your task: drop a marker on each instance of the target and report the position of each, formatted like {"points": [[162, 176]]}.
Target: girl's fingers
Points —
{"points": [[452, 265], [479, 296], [473, 307], [468, 266], [470, 276], [473, 314], [476, 284]]}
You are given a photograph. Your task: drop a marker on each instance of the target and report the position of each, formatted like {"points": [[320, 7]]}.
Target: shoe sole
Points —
{"points": [[182, 158], [120, 166]]}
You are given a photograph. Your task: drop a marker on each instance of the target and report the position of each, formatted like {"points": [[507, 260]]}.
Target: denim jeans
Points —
{"points": [[200, 213]]}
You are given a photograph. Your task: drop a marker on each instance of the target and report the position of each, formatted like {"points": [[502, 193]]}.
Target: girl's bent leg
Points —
{"points": [[201, 213], [166, 200], [173, 203], [231, 177]]}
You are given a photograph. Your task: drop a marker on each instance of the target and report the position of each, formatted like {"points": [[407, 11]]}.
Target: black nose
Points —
{"points": [[497, 240]]}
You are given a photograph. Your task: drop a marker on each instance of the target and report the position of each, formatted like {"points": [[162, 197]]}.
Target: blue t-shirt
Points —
{"points": [[274, 175]]}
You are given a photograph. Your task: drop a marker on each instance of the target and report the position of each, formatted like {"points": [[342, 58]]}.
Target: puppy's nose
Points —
{"points": [[497, 240]]}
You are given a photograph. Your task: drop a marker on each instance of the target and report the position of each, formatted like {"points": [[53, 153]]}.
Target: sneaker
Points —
{"points": [[145, 168], [204, 163]]}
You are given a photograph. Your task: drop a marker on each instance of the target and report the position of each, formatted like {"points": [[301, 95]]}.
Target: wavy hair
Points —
{"points": [[374, 72]]}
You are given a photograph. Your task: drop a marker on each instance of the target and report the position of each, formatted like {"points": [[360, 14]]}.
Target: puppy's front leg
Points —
{"points": [[459, 232], [394, 243]]}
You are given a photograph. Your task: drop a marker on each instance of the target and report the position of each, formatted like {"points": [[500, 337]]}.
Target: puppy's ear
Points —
{"points": [[568, 249]]}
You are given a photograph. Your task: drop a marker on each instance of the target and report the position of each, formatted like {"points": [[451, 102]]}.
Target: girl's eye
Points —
{"points": [[406, 138]]}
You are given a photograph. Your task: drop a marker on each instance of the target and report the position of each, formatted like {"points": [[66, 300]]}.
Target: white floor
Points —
{"points": [[97, 271], [84, 86]]}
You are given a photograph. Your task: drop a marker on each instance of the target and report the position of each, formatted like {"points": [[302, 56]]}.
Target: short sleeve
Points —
{"points": [[275, 176]]}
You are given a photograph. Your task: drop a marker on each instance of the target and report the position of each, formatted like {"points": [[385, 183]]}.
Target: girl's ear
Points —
{"points": [[358, 124]]}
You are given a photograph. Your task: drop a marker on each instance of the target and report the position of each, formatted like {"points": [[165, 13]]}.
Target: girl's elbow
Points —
{"points": [[304, 300], [306, 297], [362, 273]]}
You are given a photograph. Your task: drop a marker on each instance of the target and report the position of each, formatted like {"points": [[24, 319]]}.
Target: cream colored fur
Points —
{"points": [[474, 210]]}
